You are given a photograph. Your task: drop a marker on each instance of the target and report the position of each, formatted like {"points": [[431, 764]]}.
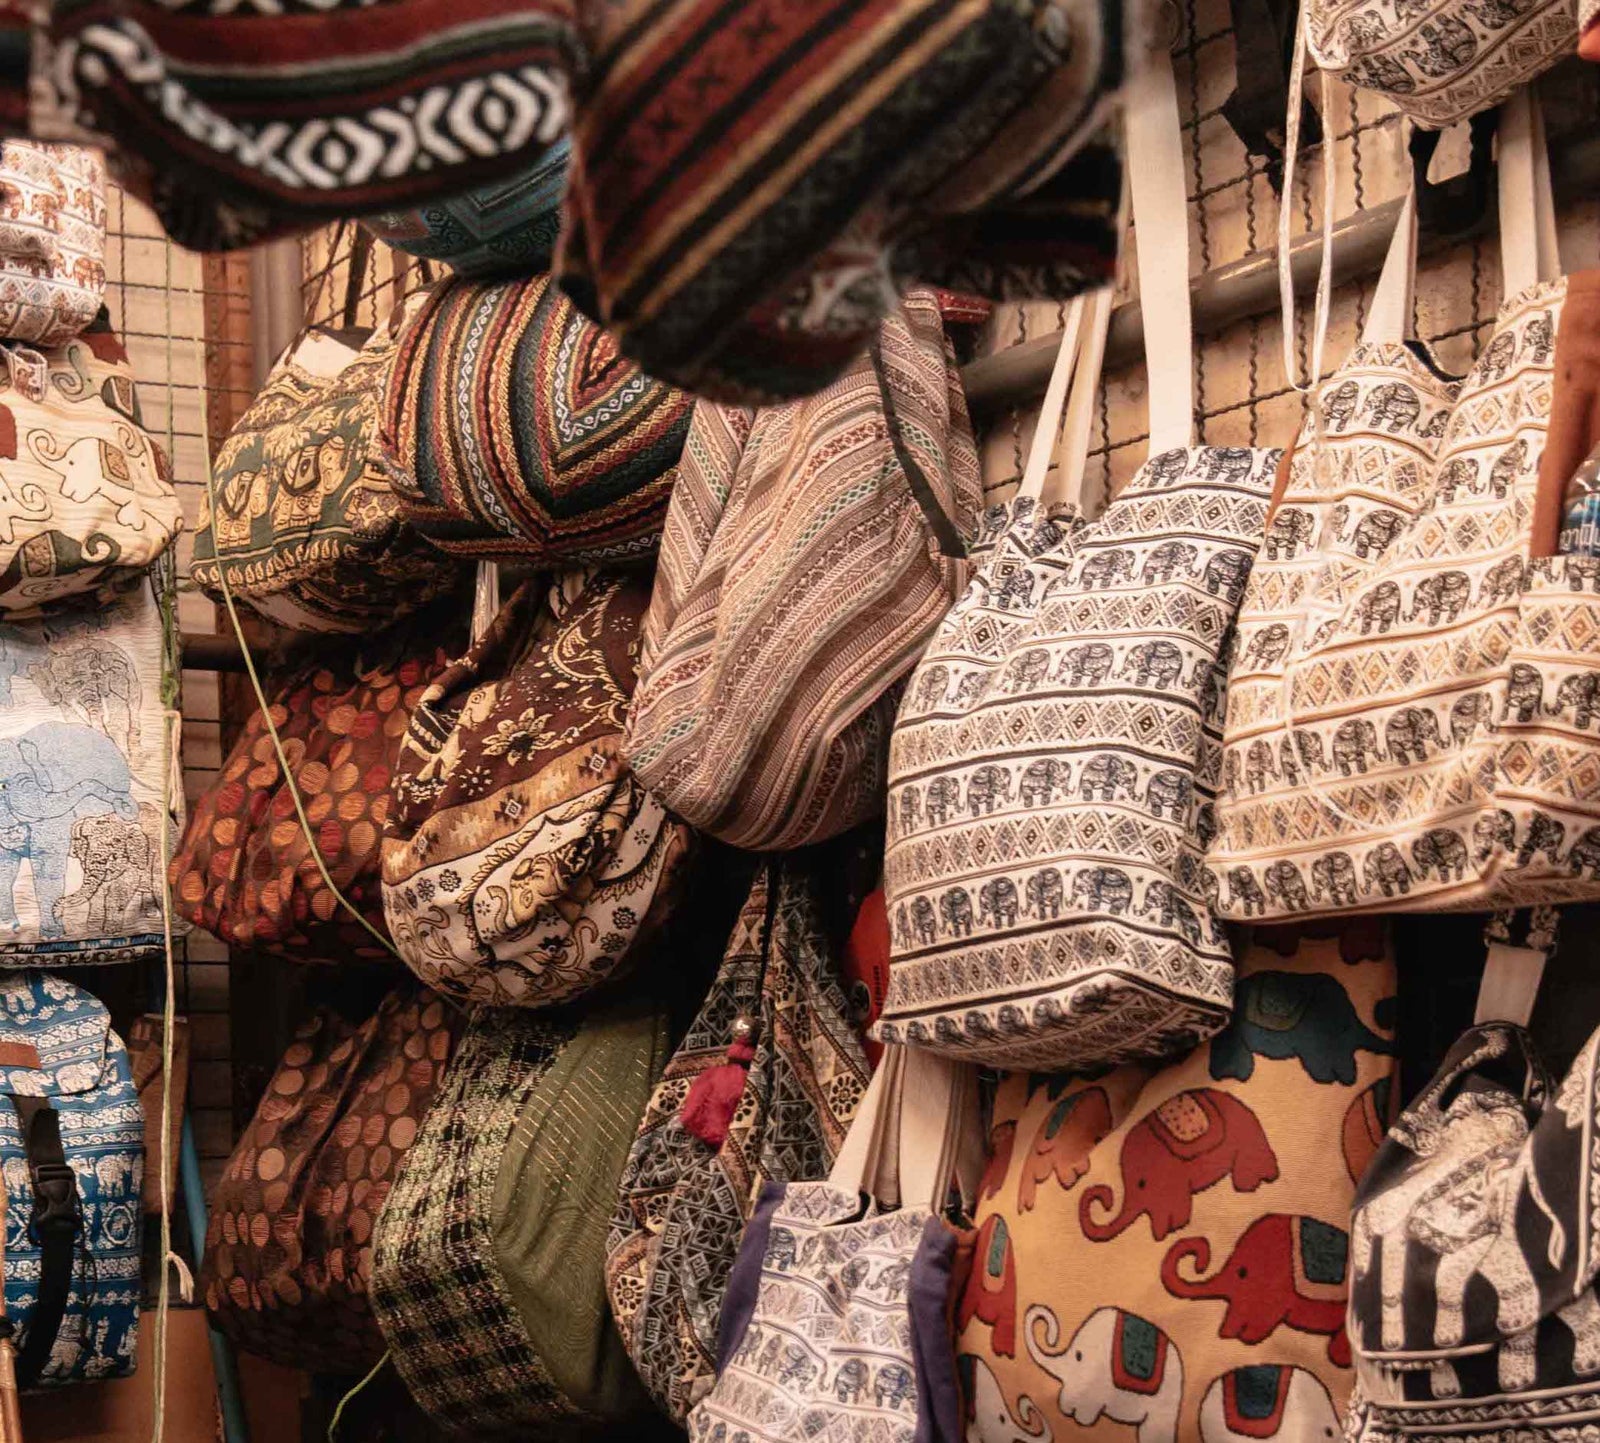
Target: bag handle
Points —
{"points": [[856, 1167], [1389, 318], [1072, 451], [1054, 404], [1529, 250], [1514, 966], [360, 256]]}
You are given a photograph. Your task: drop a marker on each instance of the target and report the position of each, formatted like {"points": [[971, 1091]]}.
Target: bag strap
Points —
{"points": [[1529, 252], [1054, 404], [485, 598], [1515, 963], [1389, 318], [935, 1118], [944, 530], [1072, 450], [1291, 154], [54, 1225], [856, 1167], [360, 255]]}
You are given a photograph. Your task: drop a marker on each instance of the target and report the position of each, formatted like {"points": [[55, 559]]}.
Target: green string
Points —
{"points": [[338, 1413]]}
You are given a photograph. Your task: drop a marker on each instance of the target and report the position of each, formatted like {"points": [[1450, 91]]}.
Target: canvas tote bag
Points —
{"points": [[1411, 709], [52, 241], [1050, 767]]}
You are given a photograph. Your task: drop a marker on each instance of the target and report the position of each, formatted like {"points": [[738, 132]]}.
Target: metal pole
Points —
{"points": [[234, 1427]]}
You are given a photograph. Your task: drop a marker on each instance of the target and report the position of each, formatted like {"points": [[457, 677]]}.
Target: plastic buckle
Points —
{"points": [[55, 1197]]}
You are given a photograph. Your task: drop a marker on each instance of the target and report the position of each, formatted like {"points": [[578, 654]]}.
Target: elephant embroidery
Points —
{"points": [[1282, 1015], [1375, 531], [1379, 608], [1459, 475], [1467, 714], [1504, 471], [1169, 791], [1291, 528], [1385, 870], [941, 794], [1578, 693], [1265, 1401], [1493, 831], [1041, 779], [117, 857], [1408, 732], [1524, 692], [1267, 646], [1166, 560], [955, 907], [971, 687], [124, 472], [1045, 893], [1026, 669], [1259, 765], [96, 679], [19, 500], [1105, 889], [1226, 573], [989, 1420], [908, 809], [1539, 339], [1284, 883], [1447, 45], [997, 902], [1227, 464], [1498, 356], [850, 1380], [1244, 892], [1191, 1142], [1353, 742], [1171, 909], [1284, 1271], [1366, 1121], [1585, 854], [1382, 72], [1106, 568], [1154, 663], [987, 787], [1016, 590], [923, 919], [1072, 1126], [1442, 851], [1393, 406], [1442, 596], [1088, 664], [1546, 835], [931, 686], [1168, 467], [1117, 1365], [991, 1292], [894, 1385], [1435, 426], [1501, 582], [781, 1249], [1333, 878], [1339, 406], [1108, 778]]}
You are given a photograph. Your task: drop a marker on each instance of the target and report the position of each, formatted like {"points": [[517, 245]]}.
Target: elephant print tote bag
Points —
{"points": [[1163, 1256], [1411, 711], [86, 770], [52, 241], [1050, 779]]}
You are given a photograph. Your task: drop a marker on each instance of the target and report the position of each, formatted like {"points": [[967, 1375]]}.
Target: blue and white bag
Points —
{"points": [[72, 1151]]}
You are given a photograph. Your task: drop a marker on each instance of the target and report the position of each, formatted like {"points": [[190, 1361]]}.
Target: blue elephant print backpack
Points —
{"points": [[83, 778], [72, 1150]]}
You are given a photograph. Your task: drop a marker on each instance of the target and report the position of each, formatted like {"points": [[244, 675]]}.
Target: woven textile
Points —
{"points": [[507, 228], [1168, 1251], [798, 584], [1409, 717], [85, 502], [56, 1043], [83, 779], [682, 1203], [487, 1258], [523, 862], [1052, 770], [305, 519], [288, 1255], [52, 241], [240, 122], [751, 181], [514, 429], [244, 870], [1440, 61]]}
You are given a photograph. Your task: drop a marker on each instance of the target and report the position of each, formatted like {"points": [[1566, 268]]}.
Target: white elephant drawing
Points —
{"points": [[1117, 1366], [989, 1420], [122, 471], [1268, 1401]]}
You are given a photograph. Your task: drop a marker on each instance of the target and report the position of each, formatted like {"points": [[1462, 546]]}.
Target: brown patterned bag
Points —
{"points": [[288, 1251]]}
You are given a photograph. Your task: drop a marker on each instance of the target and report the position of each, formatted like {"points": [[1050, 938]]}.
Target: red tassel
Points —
{"points": [[713, 1096]]}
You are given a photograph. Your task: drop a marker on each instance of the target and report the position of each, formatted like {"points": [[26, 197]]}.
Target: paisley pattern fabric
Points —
{"points": [[1167, 1251], [84, 776], [1051, 776], [56, 1043], [1473, 1288], [244, 870], [304, 520], [798, 584], [1410, 708], [86, 503], [523, 862], [487, 1258], [52, 241], [514, 429], [507, 228], [682, 1203], [752, 182], [288, 1251], [1440, 61]]}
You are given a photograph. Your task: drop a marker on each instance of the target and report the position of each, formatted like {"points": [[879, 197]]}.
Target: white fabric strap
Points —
{"points": [[856, 1166], [1528, 249], [1161, 217], [1389, 316], [1055, 401], [1510, 984], [1291, 151], [485, 597], [1072, 453], [933, 1119]]}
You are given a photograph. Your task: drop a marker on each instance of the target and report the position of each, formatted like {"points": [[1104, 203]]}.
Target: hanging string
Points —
{"points": [[344, 1402]]}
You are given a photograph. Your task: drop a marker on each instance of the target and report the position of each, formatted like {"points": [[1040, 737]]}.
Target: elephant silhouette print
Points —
{"points": [[1191, 1142], [1061, 1150], [1284, 1271], [1116, 1366], [1302, 1015]]}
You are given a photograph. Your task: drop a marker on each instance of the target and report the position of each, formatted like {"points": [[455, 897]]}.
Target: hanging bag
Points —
{"points": [[1409, 717], [1050, 772], [811, 550], [52, 241]]}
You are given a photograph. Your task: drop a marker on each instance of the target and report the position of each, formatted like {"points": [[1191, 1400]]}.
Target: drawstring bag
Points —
{"points": [[288, 1251], [811, 550], [513, 429], [752, 185], [1169, 1250], [52, 241], [761, 1090], [523, 863], [1410, 708], [1052, 765]]}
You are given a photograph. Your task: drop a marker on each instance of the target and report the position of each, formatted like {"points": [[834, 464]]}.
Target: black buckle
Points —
{"points": [[55, 1198]]}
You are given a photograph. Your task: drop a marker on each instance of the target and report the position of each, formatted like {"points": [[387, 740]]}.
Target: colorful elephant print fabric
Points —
{"points": [[57, 1044], [1163, 1256], [799, 581], [752, 183], [1440, 61], [52, 241], [682, 1203], [288, 1252], [524, 863], [841, 1332], [85, 773], [513, 429], [302, 517], [86, 502], [1411, 708], [1473, 1270], [245, 870], [1051, 778]]}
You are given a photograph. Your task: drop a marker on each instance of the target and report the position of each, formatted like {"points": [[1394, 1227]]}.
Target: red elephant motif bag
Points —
{"points": [[1162, 1255]]}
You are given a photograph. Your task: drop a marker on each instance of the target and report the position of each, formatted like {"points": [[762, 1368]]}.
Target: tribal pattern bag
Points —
{"points": [[52, 241], [811, 550]]}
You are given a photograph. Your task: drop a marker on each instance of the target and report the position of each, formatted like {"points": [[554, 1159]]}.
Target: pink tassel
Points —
{"points": [[713, 1096]]}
